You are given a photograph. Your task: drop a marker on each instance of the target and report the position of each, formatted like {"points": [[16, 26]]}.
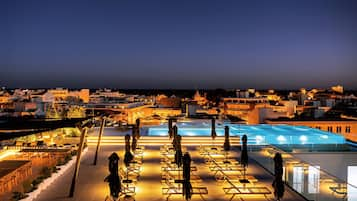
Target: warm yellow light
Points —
{"points": [[8, 153]]}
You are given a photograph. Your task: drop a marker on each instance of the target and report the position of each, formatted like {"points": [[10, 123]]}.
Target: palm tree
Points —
{"points": [[170, 128]]}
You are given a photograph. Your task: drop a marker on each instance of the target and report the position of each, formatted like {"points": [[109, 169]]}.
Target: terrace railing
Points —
{"points": [[307, 179]]}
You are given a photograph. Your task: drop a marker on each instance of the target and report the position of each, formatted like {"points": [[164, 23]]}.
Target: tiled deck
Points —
{"points": [[91, 185]]}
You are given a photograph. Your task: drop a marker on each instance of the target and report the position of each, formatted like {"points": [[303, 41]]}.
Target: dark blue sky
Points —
{"points": [[178, 44]]}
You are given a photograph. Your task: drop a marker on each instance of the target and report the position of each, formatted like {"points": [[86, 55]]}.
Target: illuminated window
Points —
{"points": [[314, 179], [348, 129], [298, 179], [338, 129], [352, 179]]}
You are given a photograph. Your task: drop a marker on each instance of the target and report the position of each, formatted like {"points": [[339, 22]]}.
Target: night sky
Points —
{"points": [[178, 44]]}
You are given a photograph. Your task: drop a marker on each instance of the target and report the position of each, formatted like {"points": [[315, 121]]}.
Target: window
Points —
{"points": [[318, 127], [348, 129], [338, 129], [351, 179], [314, 179], [298, 179], [329, 128]]}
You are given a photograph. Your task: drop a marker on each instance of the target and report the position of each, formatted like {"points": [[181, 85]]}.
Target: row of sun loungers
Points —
{"points": [[246, 190], [196, 190], [230, 174], [169, 150], [131, 174], [171, 175]]}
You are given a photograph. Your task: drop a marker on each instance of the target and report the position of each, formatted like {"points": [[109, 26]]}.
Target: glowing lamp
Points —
{"points": [[303, 138], [281, 138]]}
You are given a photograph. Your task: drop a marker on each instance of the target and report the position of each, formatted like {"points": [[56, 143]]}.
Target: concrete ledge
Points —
{"points": [[47, 182], [161, 140]]}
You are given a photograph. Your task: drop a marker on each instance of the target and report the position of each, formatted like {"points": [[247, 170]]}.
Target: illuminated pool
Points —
{"points": [[257, 134]]}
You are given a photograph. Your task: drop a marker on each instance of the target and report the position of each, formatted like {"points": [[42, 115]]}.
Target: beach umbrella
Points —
{"points": [[137, 123], [278, 183], [170, 128], [135, 136], [278, 164], [128, 157], [244, 155], [174, 135], [113, 178], [133, 132], [175, 130], [227, 144], [138, 135], [178, 151], [213, 129], [134, 144], [186, 187], [244, 152], [137, 128], [113, 162]]}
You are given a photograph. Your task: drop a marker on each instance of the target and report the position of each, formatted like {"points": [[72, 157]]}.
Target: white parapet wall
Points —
{"points": [[161, 140], [47, 182]]}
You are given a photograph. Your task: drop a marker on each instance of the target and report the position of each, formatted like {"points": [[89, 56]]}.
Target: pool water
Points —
{"points": [[257, 134]]}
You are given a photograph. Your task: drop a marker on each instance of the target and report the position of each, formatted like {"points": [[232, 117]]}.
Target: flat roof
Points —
{"points": [[45, 150], [8, 166], [310, 119]]}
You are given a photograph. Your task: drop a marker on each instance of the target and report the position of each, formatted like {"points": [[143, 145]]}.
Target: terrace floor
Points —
{"points": [[91, 185]]}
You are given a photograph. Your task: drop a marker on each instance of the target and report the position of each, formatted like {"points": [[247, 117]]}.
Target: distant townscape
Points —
{"points": [[43, 131], [313, 107], [178, 100]]}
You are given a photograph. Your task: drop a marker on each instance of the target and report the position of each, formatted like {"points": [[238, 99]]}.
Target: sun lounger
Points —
{"points": [[210, 148], [236, 178], [193, 168], [226, 168], [133, 168], [128, 190], [223, 161], [131, 174], [251, 190], [340, 190], [172, 177], [212, 165], [167, 158], [196, 190]]}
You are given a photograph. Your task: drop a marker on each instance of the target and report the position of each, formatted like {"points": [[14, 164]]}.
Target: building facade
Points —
{"points": [[13, 173], [347, 128]]}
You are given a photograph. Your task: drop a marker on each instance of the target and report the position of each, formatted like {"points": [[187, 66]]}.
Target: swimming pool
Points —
{"points": [[257, 134]]}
